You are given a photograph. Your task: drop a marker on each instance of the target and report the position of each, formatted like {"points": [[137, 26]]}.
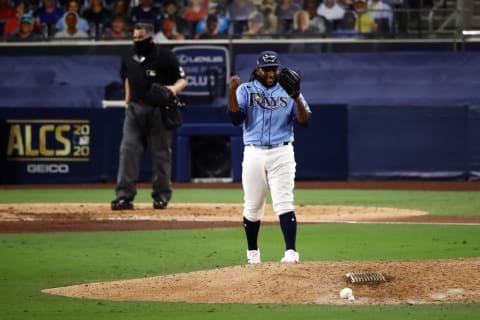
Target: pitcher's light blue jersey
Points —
{"points": [[269, 113]]}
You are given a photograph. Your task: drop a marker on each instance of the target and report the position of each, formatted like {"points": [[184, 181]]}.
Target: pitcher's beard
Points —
{"points": [[269, 81]]}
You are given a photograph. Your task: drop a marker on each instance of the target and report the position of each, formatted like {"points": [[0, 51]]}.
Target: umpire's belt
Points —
{"points": [[269, 146]]}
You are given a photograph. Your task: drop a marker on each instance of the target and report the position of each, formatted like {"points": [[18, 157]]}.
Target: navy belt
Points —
{"points": [[269, 146]]}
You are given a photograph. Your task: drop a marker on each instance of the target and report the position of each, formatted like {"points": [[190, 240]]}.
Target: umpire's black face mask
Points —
{"points": [[142, 47]]}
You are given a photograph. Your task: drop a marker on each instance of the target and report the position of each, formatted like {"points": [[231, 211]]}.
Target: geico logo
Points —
{"points": [[200, 59], [200, 81], [48, 168]]}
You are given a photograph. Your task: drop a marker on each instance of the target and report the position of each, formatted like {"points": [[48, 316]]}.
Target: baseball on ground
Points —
{"points": [[346, 293]]}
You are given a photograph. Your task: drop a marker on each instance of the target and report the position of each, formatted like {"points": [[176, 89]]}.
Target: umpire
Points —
{"points": [[153, 76]]}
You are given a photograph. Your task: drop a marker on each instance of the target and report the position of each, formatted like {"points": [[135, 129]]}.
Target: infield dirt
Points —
{"points": [[411, 282]]}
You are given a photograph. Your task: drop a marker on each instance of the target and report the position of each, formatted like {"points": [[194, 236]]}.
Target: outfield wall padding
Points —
{"points": [[369, 78], [395, 142], [59, 145]]}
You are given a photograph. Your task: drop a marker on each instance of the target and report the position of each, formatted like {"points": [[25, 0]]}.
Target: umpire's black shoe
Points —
{"points": [[122, 203], [160, 204]]}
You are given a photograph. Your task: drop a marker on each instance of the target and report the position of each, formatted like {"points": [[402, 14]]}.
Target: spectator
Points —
{"points": [[107, 4], [346, 27], [400, 15], [6, 10], [299, 3], [97, 17], [47, 16], [303, 26], [239, 11], [211, 29], [195, 11], [73, 5], [71, 31], [119, 8], [118, 30], [145, 12], [12, 24], [110, 4], [25, 31], [364, 21], [285, 10], [215, 8], [346, 4], [311, 7], [270, 19], [382, 14], [171, 10], [255, 25], [168, 32], [395, 3], [159, 4], [330, 10]]}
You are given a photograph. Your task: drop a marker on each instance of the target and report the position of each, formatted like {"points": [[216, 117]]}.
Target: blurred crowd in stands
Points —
{"points": [[37, 20]]}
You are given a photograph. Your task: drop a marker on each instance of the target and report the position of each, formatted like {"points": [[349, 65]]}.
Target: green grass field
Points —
{"points": [[31, 262]]}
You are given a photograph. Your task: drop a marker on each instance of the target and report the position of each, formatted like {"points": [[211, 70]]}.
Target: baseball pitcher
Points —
{"points": [[267, 106]]}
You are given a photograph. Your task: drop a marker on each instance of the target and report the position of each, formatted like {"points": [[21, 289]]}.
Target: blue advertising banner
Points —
{"points": [[55, 145], [207, 69]]}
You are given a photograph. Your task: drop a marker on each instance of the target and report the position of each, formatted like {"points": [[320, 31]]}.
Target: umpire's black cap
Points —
{"points": [[268, 59]]}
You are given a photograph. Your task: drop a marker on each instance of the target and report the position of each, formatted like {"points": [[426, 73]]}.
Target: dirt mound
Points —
{"points": [[413, 282]]}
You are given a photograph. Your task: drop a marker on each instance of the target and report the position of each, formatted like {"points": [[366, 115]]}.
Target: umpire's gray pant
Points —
{"points": [[143, 127]]}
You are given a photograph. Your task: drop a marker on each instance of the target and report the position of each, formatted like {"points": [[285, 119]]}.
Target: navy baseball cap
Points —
{"points": [[268, 59]]}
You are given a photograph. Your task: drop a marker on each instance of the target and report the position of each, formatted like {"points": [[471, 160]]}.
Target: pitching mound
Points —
{"points": [[412, 282]]}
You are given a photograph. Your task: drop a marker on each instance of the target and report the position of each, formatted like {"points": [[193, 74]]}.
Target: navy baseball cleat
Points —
{"points": [[122, 203], [160, 204]]}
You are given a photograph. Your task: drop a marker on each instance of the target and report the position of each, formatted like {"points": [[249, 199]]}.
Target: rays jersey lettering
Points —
{"points": [[267, 102], [269, 113]]}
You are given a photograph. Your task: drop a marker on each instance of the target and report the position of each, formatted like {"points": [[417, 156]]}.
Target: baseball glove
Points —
{"points": [[158, 96], [290, 81]]}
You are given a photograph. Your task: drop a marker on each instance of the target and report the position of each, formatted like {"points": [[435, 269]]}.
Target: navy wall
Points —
{"points": [[52, 81], [473, 142], [408, 142], [342, 142], [382, 78], [373, 78], [321, 150], [377, 115]]}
